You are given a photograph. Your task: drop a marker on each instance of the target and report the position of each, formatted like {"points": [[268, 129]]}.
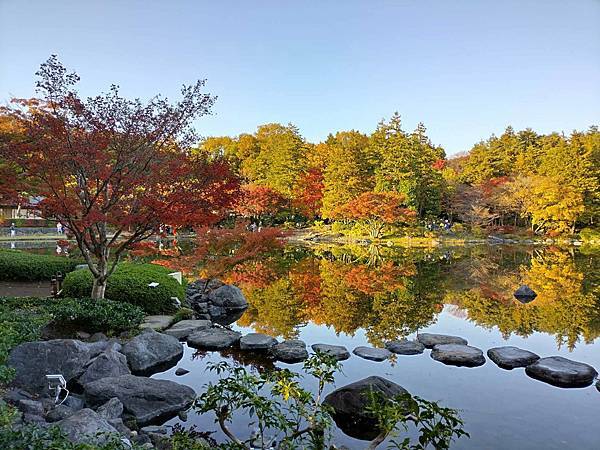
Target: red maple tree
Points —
{"points": [[310, 193], [259, 202], [113, 170]]}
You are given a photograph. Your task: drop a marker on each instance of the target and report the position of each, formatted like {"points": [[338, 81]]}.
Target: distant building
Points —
{"points": [[23, 211]]}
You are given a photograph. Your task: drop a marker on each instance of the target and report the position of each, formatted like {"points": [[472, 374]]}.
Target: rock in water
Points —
{"points": [[372, 353], [405, 347], [525, 294], [181, 371], [213, 338], [152, 352], [350, 402], [184, 328], [32, 361], [510, 357], [84, 425], [290, 351], [458, 355], [257, 341], [430, 340], [147, 400], [223, 303], [338, 351], [562, 372]]}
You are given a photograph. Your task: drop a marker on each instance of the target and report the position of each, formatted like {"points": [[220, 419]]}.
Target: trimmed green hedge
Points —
{"points": [[129, 283], [96, 315], [23, 266]]}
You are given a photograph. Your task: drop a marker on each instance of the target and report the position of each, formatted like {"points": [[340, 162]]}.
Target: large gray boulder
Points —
{"points": [[430, 340], [510, 357], [562, 372], [84, 425], [213, 338], [32, 361], [184, 328], [146, 400], [339, 352], [405, 347], [290, 351], [350, 402], [257, 342], [458, 355], [152, 352], [110, 363], [372, 353]]}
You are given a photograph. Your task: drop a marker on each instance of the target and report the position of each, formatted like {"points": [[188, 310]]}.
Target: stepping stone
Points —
{"points": [[562, 372], [290, 351], [181, 371], [257, 341], [157, 323], [338, 351], [184, 328], [213, 338], [372, 353], [511, 357], [458, 355], [405, 347], [430, 340]]}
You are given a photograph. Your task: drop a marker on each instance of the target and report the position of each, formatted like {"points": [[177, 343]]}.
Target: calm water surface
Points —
{"points": [[366, 296]]}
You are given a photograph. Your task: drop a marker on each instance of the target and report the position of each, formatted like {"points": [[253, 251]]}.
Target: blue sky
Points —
{"points": [[464, 68]]}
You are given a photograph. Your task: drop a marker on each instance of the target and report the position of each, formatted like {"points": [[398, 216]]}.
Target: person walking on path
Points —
{"points": [[59, 228], [13, 230]]}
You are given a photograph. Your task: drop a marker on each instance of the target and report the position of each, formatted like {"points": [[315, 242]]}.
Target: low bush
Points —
{"points": [[96, 315], [21, 320], [23, 266], [129, 283], [589, 235]]}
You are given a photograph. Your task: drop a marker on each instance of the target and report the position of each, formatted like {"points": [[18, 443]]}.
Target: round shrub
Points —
{"points": [[129, 283], [23, 266], [97, 315]]}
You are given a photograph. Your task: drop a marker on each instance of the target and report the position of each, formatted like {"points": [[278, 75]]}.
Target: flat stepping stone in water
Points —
{"points": [[511, 357], [257, 341], [157, 323], [181, 371], [562, 372], [290, 351], [338, 351], [213, 338], [430, 340], [458, 355], [184, 328], [405, 347], [372, 353]]}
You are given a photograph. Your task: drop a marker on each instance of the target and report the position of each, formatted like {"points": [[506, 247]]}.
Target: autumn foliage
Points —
{"points": [[113, 170], [378, 209]]}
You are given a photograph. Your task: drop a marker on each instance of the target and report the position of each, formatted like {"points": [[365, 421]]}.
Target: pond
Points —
{"points": [[369, 295]]}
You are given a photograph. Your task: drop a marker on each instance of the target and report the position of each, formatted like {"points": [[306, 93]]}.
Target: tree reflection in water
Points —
{"points": [[392, 292]]}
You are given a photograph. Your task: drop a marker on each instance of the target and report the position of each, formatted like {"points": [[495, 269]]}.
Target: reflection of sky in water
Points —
{"points": [[502, 409]]}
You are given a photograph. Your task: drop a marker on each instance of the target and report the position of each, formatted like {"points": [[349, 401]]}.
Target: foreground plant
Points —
{"points": [[290, 417]]}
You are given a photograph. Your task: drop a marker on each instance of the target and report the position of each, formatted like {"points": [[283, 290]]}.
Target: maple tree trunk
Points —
{"points": [[99, 286]]}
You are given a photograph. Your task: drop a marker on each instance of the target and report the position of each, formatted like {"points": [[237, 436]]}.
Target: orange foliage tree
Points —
{"points": [[259, 202], [376, 210]]}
